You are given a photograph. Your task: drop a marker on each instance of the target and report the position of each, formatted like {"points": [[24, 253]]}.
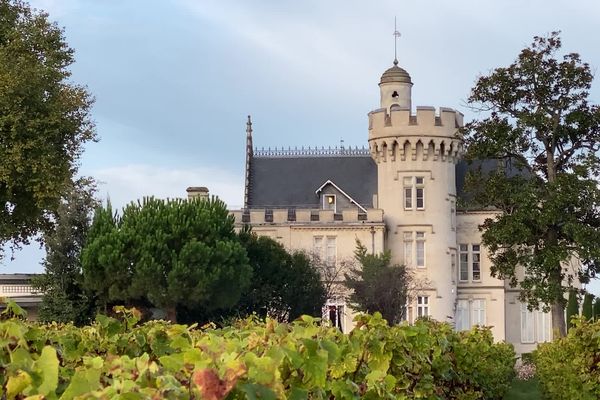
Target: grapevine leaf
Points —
{"points": [[47, 367]]}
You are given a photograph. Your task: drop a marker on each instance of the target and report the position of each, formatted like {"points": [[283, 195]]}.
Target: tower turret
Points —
{"points": [[395, 87], [416, 155]]}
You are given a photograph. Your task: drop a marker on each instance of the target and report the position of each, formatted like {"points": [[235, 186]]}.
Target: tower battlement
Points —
{"points": [[426, 135], [426, 122]]}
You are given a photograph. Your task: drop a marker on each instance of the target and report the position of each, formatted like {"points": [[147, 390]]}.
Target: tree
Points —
{"points": [[597, 309], [169, 253], [572, 307], [63, 297], [545, 136], [284, 286], [375, 285], [587, 309], [44, 122]]}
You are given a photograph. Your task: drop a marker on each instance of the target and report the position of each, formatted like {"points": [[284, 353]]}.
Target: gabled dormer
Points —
{"points": [[332, 197]]}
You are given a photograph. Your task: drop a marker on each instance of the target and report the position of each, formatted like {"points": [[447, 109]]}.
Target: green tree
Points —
{"points": [[169, 253], [587, 309], [44, 121], [572, 307], [597, 309], [61, 283], [539, 126], [284, 285], [375, 285]]}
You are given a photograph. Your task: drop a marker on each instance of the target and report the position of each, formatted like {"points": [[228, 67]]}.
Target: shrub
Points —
{"points": [[568, 367]]}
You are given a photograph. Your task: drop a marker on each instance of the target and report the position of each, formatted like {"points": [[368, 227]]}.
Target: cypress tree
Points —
{"points": [[587, 310], [597, 309], [572, 307]]}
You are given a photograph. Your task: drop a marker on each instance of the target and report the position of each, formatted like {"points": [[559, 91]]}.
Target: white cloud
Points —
{"points": [[127, 183]]}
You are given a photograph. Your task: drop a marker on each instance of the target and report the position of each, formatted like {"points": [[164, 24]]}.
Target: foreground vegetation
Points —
{"points": [[567, 368], [524, 390], [117, 358]]}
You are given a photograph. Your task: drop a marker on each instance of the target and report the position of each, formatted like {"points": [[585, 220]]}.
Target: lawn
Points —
{"points": [[524, 390]]}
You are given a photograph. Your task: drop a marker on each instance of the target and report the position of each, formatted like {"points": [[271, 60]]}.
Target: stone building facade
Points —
{"points": [[403, 193]]}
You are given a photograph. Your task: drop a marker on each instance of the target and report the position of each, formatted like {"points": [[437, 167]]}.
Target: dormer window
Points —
{"points": [[329, 202]]}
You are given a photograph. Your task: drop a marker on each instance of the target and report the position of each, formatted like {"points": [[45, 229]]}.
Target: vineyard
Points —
{"points": [[122, 359]]}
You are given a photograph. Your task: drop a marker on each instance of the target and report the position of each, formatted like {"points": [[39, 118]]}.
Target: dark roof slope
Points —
{"points": [[281, 182], [292, 181]]}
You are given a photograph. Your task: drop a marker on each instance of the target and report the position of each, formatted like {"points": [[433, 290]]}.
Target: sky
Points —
{"points": [[174, 80]]}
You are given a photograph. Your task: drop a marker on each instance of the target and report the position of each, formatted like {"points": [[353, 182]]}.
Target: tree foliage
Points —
{"points": [[536, 121], [64, 299], [572, 307], [44, 121], [587, 309], [596, 309], [168, 253], [377, 286], [283, 286]]}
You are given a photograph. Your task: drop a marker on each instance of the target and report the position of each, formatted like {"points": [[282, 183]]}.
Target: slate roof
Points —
{"points": [[281, 182]]}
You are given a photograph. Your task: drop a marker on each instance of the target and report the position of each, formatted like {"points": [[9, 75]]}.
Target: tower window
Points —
{"points": [[414, 192], [395, 95]]}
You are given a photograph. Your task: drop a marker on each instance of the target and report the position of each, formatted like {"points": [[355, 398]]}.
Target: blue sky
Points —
{"points": [[175, 80]]}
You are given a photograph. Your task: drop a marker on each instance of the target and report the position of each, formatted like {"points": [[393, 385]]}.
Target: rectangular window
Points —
{"points": [[414, 192], [478, 312], [543, 326], [464, 263], [476, 262], [331, 251], [453, 266], [408, 245], [462, 315], [422, 306], [420, 192], [329, 202], [318, 247], [335, 314], [420, 249], [453, 215], [527, 328], [408, 193]]}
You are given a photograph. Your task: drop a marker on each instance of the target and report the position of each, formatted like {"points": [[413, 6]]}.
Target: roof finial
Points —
{"points": [[249, 126], [396, 36]]}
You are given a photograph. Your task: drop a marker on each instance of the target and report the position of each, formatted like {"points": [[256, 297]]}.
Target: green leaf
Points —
{"points": [[257, 392], [47, 367]]}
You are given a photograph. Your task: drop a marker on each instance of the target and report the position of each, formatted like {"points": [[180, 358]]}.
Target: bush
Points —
{"points": [[568, 367], [250, 360]]}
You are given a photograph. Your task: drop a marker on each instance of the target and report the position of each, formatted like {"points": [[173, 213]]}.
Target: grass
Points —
{"points": [[524, 390]]}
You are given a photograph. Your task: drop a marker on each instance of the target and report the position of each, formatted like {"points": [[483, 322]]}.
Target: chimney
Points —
{"points": [[197, 191]]}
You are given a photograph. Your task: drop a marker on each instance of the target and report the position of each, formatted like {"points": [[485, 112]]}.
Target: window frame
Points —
{"points": [[328, 240], [422, 307], [420, 240], [473, 255], [413, 192], [326, 205], [408, 245]]}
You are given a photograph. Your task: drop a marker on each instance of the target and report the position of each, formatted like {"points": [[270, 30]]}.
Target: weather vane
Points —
{"points": [[396, 36]]}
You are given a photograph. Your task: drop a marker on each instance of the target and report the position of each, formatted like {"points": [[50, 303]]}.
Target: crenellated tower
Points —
{"points": [[416, 156]]}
